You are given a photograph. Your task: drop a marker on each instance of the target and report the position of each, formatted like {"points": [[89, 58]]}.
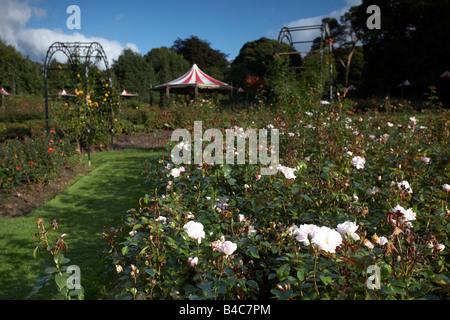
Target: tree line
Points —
{"points": [[412, 44]]}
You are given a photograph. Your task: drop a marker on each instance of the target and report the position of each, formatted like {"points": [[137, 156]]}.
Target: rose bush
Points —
{"points": [[34, 160], [311, 231]]}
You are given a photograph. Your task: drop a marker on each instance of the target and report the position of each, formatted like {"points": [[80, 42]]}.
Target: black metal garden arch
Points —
{"points": [[286, 34], [80, 53]]}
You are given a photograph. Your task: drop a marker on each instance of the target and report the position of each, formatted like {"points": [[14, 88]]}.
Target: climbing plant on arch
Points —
{"points": [[91, 111], [286, 33]]}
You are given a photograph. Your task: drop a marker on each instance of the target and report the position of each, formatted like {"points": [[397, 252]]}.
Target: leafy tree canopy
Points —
{"points": [[166, 65], [411, 44], [254, 60], [133, 73], [19, 74], [198, 51]]}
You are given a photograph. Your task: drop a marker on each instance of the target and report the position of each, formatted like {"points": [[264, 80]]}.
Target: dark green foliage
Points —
{"points": [[19, 74], [133, 74], [198, 51], [411, 44], [255, 59]]}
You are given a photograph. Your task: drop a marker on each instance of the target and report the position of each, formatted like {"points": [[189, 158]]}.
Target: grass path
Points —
{"points": [[98, 199]]}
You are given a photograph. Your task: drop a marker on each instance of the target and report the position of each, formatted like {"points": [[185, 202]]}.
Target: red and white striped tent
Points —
{"points": [[65, 93], [195, 79], [3, 92], [445, 75], [125, 93], [405, 83]]}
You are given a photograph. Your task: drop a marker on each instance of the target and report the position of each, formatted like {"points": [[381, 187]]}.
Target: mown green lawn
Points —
{"points": [[98, 199]]}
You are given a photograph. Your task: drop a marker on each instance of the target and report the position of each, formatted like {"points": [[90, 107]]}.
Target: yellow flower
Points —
{"points": [[106, 84], [106, 95]]}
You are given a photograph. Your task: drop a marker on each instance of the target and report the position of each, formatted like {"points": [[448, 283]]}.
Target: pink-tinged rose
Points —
{"points": [[348, 227], [425, 159], [193, 262], [228, 247]]}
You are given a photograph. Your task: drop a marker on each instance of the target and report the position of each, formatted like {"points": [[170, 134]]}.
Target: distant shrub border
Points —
{"points": [[35, 159]]}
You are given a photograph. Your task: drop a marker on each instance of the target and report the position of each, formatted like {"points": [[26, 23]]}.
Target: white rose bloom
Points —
{"points": [[358, 162], [348, 227], [175, 172], [405, 185], [326, 239], [228, 247], [251, 230], [193, 262], [398, 208], [288, 172], [304, 233], [408, 215], [382, 241], [194, 230], [161, 218]]}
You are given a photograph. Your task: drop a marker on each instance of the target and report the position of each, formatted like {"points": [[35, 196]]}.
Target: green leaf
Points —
{"points": [[137, 226], [226, 170], [61, 281], [399, 290], [205, 287], [125, 250], [300, 275], [302, 166], [50, 270], [150, 271], [326, 280], [254, 252], [58, 257], [283, 271], [253, 284], [36, 252], [307, 198]]}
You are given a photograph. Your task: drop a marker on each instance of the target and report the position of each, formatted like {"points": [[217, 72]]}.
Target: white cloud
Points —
{"points": [[14, 16], [309, 35]]}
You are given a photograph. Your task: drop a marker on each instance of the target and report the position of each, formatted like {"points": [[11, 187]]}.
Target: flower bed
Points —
{"points": [[35, 159], [357, 210]]}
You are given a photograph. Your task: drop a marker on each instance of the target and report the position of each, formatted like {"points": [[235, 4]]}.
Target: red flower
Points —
{"points": [[17, 168], [50, 150], [32, 163]]}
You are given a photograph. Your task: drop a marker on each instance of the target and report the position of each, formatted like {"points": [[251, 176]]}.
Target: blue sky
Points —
{"points": [[32, 25]]}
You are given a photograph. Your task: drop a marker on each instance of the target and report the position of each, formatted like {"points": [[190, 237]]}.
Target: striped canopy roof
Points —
{"points": [[3, 92], [195, 78]]}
